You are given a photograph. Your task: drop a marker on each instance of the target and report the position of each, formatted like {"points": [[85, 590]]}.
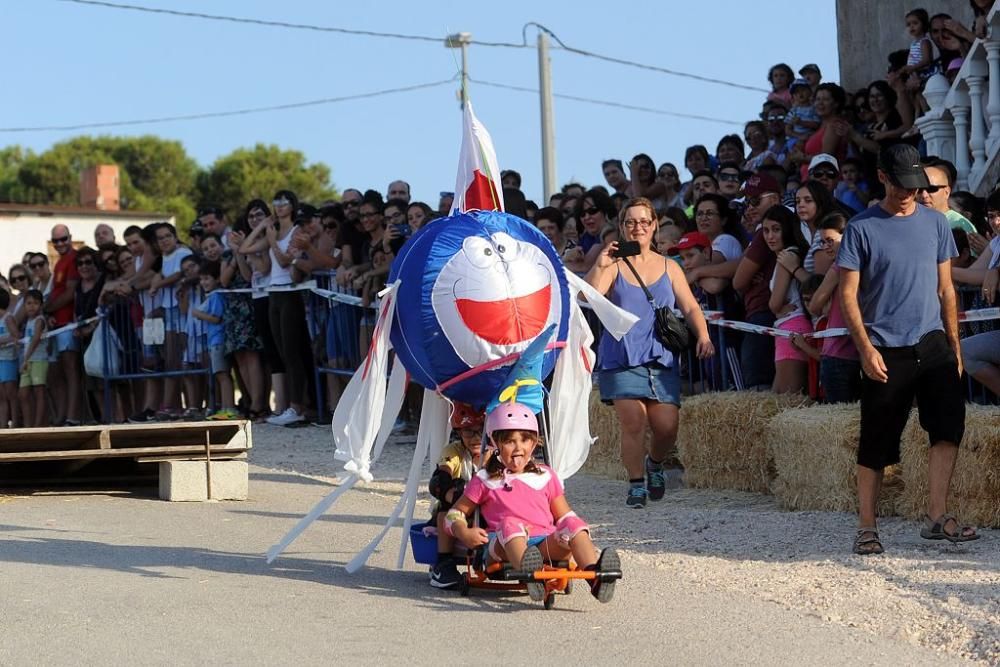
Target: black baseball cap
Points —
{"points": [[304, 212], [811, 67], [901, 163]]}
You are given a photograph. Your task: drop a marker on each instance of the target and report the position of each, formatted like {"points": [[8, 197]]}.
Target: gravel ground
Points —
{"points": [[938, 595]]}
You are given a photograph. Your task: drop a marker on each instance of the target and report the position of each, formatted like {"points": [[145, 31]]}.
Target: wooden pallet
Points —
{"points": [[139, 441]]}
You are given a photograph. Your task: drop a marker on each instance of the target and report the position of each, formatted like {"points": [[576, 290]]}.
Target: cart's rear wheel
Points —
{"points": [[463, 586], [550, 601]]}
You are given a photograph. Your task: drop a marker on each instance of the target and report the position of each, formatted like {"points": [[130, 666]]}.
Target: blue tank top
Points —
{"points": [[639, 346], [41, 352], [8, 352]]}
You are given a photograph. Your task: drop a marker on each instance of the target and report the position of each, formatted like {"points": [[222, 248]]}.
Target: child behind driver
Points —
{"points": [[459, 461]]}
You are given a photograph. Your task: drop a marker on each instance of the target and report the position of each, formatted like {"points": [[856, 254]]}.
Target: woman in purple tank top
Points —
{"points": [[637, 374]]}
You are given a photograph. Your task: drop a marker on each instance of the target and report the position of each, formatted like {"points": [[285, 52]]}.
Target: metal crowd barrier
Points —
{"points": [[144, 354]]}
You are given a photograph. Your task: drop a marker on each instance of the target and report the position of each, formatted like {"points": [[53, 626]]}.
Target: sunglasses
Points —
{"points": [[591, 211], [281, 202], [60, 239], [85, 262], [823, 173], [931, 189], [37, 265], [373, 214], [732, 178], [756, 201], [779, 117], [17, 279], [351, 204]]}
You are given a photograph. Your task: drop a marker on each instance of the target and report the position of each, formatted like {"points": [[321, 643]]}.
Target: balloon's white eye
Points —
{"points": [[479, 252], [506, 246]]}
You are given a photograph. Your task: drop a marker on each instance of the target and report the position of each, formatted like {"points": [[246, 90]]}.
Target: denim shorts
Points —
{"points": [[8, 370], [217, 358], [650, 381], [65, 342]]}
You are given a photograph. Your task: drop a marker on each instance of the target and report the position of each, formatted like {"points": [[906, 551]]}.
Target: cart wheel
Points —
{"points": [[568, 588], [550, 601], [463, 587]]}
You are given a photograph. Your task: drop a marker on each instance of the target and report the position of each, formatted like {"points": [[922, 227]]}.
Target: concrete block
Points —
{"points": [[186, 480]]}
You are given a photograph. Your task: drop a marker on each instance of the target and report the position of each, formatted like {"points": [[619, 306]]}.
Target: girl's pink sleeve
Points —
{"points": [[554, 488], [475, 490]]}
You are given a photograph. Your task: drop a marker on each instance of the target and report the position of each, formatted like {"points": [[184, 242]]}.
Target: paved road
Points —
{"points": [[101, 578]]}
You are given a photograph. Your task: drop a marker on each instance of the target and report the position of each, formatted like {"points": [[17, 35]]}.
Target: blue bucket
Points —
{"points": [[424, 546]]}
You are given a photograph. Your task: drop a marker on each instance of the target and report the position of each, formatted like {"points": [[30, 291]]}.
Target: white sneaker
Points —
{"points": [[289, 416]]}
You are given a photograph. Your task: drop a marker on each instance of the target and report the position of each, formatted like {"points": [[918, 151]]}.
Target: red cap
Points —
{"points": [[465, 416], [691, 240], [759, 184]]}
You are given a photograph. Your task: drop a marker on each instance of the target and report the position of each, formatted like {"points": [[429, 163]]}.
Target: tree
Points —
{"points": [[157, 175], [248, 173], [154, 174]]}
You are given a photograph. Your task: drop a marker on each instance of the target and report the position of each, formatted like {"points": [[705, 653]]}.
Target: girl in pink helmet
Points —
{"points": [[526, 512]]}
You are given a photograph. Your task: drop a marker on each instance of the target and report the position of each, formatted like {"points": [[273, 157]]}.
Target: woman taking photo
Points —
{"points": [[638, 375]]}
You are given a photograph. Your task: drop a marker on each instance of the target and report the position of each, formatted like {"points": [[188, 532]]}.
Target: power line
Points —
{"points": [[606, 103], [282, 24], [638, 65], [420, 38], [236, 112]]}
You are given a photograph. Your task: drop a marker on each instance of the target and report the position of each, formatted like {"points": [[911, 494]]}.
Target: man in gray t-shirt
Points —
{"points": [[899, 305]]}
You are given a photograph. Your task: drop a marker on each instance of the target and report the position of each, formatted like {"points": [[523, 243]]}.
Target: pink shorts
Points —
{"points": [[784, 350]]}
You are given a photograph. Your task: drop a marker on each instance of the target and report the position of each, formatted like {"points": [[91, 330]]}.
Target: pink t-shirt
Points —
{"points": [[841, 347], [526, 496]]}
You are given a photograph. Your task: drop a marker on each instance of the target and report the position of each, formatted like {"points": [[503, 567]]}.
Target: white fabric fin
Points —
{"points": [[359, 411], [616, 321], [321, 507], [570, 438], [394, 397], [412, 481]]}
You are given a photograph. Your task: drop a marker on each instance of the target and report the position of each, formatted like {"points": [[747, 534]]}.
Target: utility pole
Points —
{"points": [[462, 40], [548, 128]]}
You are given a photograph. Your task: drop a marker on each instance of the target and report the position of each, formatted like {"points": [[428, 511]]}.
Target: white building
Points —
{"points": [[25, 227]]}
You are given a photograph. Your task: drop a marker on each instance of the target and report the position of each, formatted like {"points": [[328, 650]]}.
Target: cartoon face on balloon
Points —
{"points": [[494, 296], [476, 289]]}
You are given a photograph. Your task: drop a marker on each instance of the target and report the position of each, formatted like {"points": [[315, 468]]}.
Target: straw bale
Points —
{"points": [[605, 458], [722, 441], [975, 484], [815, 460]]}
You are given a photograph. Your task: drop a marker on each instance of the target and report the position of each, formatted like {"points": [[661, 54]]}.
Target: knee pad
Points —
{"points": [[510, 528], [569, 526]]}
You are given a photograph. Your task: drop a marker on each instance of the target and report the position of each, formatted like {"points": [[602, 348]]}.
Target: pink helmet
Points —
{"points": [[511, 417]]}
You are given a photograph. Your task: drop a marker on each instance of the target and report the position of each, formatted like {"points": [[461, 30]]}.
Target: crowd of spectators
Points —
{"points": [[755, 225]]}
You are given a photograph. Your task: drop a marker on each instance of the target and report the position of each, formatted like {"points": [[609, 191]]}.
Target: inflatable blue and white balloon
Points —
{"points": [[475, 289]]}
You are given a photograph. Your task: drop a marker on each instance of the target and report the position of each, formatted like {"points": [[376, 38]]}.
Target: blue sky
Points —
{"points": [[70, 63]]}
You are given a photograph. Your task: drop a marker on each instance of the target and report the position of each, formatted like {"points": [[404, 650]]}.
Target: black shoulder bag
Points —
{"points": [[669, 329]]}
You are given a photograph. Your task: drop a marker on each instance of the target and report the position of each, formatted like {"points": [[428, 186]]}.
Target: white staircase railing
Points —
{"points": [[963, 124]]}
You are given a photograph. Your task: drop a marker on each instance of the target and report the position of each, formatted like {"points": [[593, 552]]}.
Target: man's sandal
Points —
{"points": [[867, 542], [935, 530]]}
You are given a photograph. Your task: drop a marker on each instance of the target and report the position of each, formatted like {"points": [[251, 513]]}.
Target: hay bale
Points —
{"points": [[722, 441], [815, 459], [975, 484], [605, 458]]}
